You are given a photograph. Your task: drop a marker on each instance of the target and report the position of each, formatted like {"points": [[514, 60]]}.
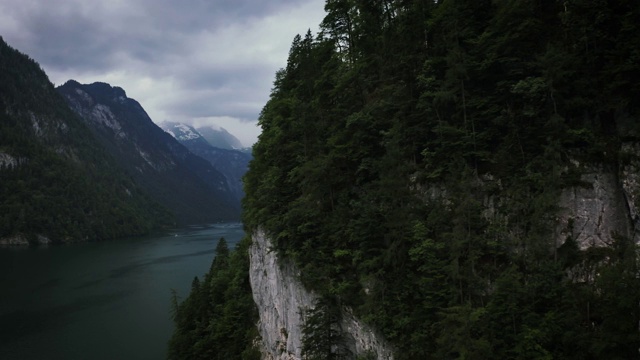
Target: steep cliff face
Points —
{"points": [[281, 298], [603, 205], [593, 213]]}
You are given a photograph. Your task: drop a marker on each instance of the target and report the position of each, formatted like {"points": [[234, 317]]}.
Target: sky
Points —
{"points": [[194, 61]]}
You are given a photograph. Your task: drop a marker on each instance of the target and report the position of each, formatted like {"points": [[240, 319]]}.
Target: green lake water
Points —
{"points": [[105, 300]]}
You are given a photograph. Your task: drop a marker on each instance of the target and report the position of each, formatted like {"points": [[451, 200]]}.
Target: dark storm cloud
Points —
{"points": [[217, 104], [181, 59], [237, 90], [79, 34], [61, 40]]}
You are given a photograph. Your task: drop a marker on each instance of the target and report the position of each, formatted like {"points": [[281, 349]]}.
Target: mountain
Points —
{"points": [[186, 184], [183, 132], [57, 183], [219, 137], [233, 164]]}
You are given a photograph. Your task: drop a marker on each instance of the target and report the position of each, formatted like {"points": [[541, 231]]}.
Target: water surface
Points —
{"points": [[106, 300]]}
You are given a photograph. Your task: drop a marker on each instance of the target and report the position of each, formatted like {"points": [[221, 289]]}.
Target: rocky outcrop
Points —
{"points": [[15, 240], [630, 182], [281, 298], [21, 240], [9, 162], [597, 210], [606, 203], [362, 340]]}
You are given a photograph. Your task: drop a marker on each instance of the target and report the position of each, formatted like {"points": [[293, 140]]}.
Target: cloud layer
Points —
{"points": [[195, 61]]}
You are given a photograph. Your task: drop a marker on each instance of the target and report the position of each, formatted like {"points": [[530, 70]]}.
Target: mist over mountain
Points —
{"points": [[219, 137]]}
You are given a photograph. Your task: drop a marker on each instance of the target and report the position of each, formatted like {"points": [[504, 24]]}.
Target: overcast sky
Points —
{"points": [[193, 61]]}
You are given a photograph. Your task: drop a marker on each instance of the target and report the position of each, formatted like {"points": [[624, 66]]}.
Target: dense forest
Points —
{"points": [[386, 132], [216, 320], [412, 157], [56, 184]]}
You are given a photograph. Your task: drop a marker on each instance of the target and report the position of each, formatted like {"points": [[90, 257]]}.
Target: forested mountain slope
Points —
{"points": [[186, 184], [56, 183], [462, 174]]}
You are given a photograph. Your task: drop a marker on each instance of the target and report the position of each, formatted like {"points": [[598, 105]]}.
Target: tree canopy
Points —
{"points": [[387, 133], [217, 319]]}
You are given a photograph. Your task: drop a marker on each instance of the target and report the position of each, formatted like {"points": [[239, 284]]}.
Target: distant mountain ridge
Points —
{"points": [[181, 132], [183, 182], [219, 137], [232, 163]]}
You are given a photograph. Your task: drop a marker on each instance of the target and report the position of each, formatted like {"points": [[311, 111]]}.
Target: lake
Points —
{"points": [[103, 300]]}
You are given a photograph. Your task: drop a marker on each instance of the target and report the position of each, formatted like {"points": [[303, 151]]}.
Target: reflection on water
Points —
{"points": [[107, 300]]}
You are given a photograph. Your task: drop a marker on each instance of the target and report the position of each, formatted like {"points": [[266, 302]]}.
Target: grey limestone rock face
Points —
{"points": [[21, 240], [605, 204], [630, 181], [281, 298], [16, 240], [7, 161], [592, 214]]}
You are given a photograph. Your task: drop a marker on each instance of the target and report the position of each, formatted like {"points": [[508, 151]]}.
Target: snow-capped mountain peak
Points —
{"points": [[214, 135], [181, 132]]}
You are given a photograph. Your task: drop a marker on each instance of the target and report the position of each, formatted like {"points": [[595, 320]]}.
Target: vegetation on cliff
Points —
{"points": [[217, 319], [386, 134]]}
